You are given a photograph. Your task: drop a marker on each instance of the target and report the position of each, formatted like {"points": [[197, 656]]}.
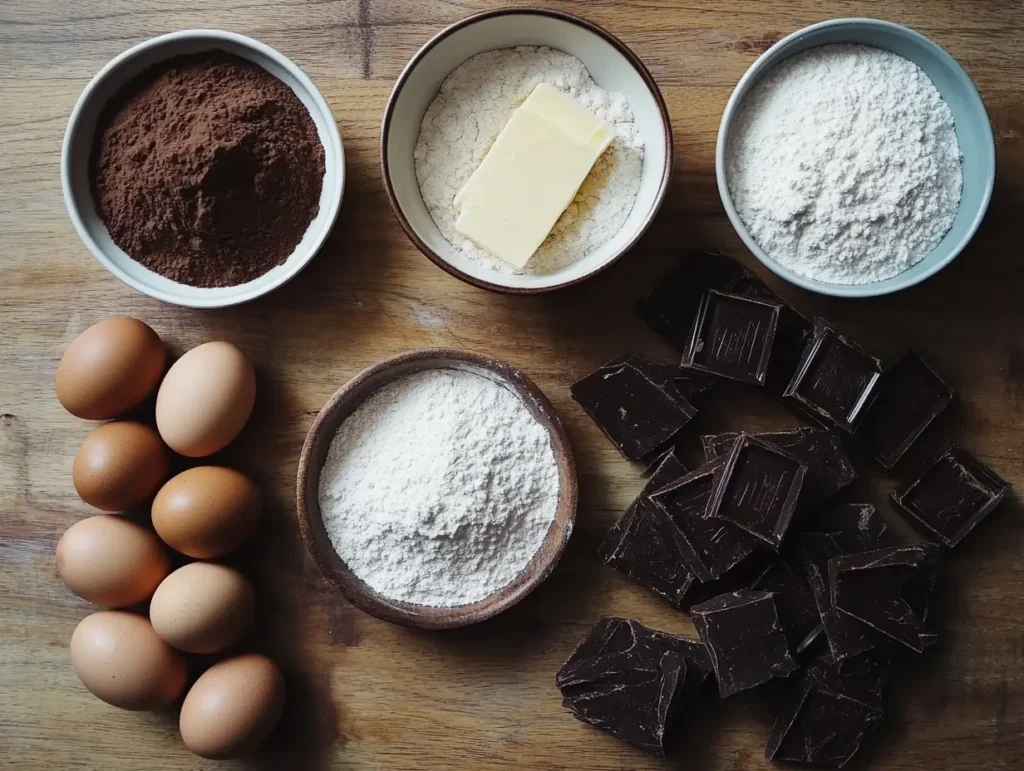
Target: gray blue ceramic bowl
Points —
{"points": [[974, 133]]}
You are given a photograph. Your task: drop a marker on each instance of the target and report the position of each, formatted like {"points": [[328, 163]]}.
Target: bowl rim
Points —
{"points": [[126, 59], [756, 70], [622, 48], [408, 614]]}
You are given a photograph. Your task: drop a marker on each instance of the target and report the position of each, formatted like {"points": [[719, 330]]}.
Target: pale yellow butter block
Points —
{"points": [[530, 175]]}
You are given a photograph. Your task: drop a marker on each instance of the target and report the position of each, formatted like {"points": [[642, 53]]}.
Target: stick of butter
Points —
{"points": [[530, 175]]}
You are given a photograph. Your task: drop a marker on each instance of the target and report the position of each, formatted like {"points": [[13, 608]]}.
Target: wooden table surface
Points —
{"points": [[368, 695]]}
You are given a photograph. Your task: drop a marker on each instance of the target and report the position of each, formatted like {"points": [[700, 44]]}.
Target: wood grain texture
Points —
{"points": [[367, 695]]}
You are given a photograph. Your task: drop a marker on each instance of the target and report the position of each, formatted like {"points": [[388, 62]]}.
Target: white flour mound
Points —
{"points": [[844, 164], [473, 106], [440, 488]]}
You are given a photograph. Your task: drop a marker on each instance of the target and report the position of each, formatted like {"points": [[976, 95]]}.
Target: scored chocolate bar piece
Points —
{"points": [[758, 489], [733, 337], [953, 495], [794, 601], [635, 414], [829, 468], [712, 546], [835, 381], [672, 378], [670, 308], [632, 681], [745, 639], [888, 589], [910, 397]]}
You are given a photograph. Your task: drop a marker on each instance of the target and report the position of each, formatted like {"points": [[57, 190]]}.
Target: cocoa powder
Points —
{"points": [[207, 169]]}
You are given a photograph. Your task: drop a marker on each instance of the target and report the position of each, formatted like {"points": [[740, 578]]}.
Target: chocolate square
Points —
{"points": [[910, 397], [953, 495], [712, 546], [835, 381], [635, 414], [888, 590], [745, 639], [758, 489], [733, 337], [794, 601], [829, 468], [670, 308]]}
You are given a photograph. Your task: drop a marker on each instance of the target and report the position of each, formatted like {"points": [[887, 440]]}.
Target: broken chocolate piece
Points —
{"points": [[794, 601], [635, 414], [888, 589], [671, 306], [676, 381], [864, 677], [829, 468], [733, 337], [855, 527], [835, 381], [953, 495], [745, 639], [821, 723], [846, 636], [740, 576], [758, 489], [910, 397], [711, 545], [629, 680]]}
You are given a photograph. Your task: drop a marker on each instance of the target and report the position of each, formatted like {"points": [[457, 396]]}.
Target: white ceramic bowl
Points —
{"points": [[612, 65], [973, 130], [77, 148]]}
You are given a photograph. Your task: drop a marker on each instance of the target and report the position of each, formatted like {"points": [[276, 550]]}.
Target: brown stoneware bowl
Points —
{"points": [[344, 403]]}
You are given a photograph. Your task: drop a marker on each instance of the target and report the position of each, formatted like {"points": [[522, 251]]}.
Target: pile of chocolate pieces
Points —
{"points": [[781, 578]]}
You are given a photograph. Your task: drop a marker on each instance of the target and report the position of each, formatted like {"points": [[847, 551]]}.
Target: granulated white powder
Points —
{"points": [[473, 106], [440, 488], [844, 164]]}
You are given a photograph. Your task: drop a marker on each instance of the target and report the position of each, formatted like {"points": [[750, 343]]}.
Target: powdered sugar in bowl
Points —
{"points": [[840, 219], [437, 488]]}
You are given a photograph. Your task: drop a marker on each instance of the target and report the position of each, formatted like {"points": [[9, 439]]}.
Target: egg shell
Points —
{"points": [[205, 399], [202, 607], [207, 511], [232, 707], [110, 369], [111, 561], [122, 661], [120, 465]]}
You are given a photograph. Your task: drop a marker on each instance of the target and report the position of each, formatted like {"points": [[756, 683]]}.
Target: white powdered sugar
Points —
{"points": [[440, 488], [844, 164], [472, 107]]}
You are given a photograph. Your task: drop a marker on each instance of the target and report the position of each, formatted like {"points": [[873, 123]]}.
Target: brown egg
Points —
{"points": [[202, 607], [119, 657], [120, 465], [233, 707], [110, 368], [207, 511], [111, 561], [205, 399]]}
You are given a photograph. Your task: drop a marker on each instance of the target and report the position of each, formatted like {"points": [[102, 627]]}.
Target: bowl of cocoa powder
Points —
{"points": [[202, 168]]}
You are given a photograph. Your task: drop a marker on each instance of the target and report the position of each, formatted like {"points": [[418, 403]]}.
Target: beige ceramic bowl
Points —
{"points": [[612, 65], [344, 403]]}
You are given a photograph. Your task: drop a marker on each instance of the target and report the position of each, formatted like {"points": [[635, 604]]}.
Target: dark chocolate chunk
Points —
{"points": [[635, 414], [712, 546], [740, 576], [630, 680], [829, 468], [953, 495], [855, 527], [835, 381], [671, 306], [864, 677], [733, 337], [846, 636], [745, 639], [758, 489], [674, 379], [794, 601], [888, 589], [910, 397], [822, 723]]}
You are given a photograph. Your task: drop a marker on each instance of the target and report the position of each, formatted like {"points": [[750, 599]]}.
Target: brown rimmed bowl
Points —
{"points": [[613, 66], [314, 452]]}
